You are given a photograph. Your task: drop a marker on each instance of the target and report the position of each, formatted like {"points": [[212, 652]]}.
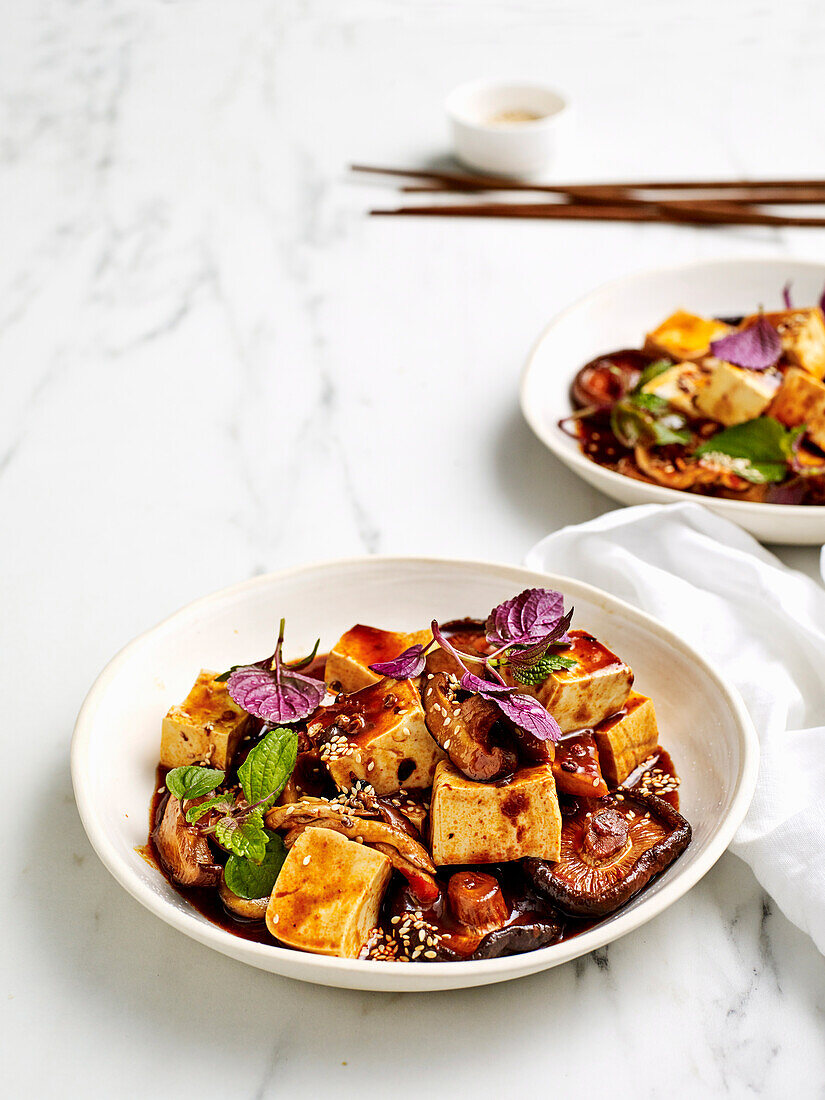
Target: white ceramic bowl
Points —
{"points": [[618, 315], [116, 739], [519, 149]]}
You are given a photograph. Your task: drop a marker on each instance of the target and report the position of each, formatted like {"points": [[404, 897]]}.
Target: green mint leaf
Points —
{"points": [[223, 802], [645, 418], [246, 838], [192, 781], [538, 672], [255, 880], [757, 450], [651, 371], [269, 765]]}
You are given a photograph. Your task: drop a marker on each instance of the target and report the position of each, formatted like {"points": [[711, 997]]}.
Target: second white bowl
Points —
{"points": [[617, 316]]}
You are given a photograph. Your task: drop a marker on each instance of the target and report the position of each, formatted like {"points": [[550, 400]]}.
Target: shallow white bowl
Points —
{"points": [[617, 316], [116, 738]]}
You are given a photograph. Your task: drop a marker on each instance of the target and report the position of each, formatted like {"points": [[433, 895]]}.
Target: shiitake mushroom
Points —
{"points": [[605, 380], [610, 849], [462, 727]]}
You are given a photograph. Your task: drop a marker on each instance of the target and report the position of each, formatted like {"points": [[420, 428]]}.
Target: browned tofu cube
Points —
{"points": [[348, 663], [490, 822], [328, 894], [379, 735], [733, 395], [802, 332], [581, 697], [684, 336], [205, 729], [627, 738], [801, 400]]}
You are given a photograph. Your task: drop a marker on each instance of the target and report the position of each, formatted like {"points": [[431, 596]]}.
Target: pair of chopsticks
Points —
{"points": [[708, 202]]}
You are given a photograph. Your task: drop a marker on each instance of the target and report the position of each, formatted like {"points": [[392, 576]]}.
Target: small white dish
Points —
{"points": [[618, 315], [114, 751], [509, 128]]}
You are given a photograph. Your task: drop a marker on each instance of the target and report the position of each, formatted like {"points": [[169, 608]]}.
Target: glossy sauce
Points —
{"points": [[525, 907]]}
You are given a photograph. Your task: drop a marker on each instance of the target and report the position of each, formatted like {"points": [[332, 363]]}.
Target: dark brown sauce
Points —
{"points": [[662, 761], [524, 905]]}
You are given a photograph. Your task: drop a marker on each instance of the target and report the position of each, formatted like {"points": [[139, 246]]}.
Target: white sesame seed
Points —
{"points": [[276, 918], [306, 860]]}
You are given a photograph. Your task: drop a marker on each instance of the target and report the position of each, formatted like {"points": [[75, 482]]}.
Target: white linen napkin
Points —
{"points": [[763, 626]]}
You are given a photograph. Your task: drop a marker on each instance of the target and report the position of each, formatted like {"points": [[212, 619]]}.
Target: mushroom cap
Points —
{"points": [[463, 729], [184, 853], [610, 849]]}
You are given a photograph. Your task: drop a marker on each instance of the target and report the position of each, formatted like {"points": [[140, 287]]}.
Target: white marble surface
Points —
{"points": [[214, 364]]}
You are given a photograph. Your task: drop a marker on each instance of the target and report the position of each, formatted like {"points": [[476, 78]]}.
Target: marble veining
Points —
{"points": [[215, 365]]}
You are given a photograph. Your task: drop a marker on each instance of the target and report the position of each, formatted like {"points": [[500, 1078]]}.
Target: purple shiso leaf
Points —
{"points": [[409, 663], [524, 658], [524, 711], [786, 295], [528, 714], [279, 696], [756, 347], [533, 616]]}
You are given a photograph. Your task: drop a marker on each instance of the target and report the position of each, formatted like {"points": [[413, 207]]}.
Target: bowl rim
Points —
{"points": [[453, 110], [556, 441], [326, 969]]}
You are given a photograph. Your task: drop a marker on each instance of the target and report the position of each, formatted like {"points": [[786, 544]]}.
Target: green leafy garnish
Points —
{"points": [[255, 880], [651, 371], [223, 802], [646, 418], [268, 766], [193, 782], [224, 676], [245, 838], [537, 673], [757, 450], [302, 662]]}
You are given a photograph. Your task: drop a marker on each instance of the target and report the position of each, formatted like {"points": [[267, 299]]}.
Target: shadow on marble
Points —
{"points": [[535, 483]]}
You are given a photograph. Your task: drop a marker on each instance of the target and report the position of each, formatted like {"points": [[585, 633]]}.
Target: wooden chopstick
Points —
{"points": [[769, 195], [780, 189], [622, 212]]}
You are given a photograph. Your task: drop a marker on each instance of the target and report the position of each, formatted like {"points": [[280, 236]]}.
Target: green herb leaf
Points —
{"points": [[247, 838], [649, 419], [651, 371], [757, 450], [223, 802], [269, 765], [255, 880], [537, 673], [304, 661], [224, 676], [193, 782]]}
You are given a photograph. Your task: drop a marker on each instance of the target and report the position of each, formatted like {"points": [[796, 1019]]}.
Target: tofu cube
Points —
{"points": [[490, 822], [627, 738], [328, 894], [348, 663], [205, 729], [583, 696], [802, 332], [685, 336], [680, 385], [801, 400], [733, 395], [379, 735]]}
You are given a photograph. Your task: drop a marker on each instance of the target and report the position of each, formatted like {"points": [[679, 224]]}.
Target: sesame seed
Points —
{"points": [[276, 918], [306, 860], [430, 954]]}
